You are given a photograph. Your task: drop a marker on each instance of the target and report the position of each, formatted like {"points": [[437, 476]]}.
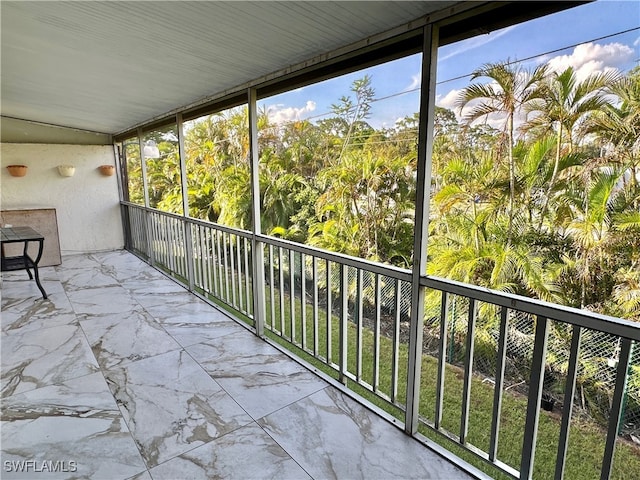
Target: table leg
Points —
{"points": [[35, 271], [35, 268], [25, 257]]}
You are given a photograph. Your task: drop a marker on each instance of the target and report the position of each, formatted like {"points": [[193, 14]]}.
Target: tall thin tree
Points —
{"points": [[511, 88], [565, 103]]}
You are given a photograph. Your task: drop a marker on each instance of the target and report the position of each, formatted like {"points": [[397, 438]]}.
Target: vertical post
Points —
{"points": [[143, 165], [376, 335], [257, 247], [501, 357], [119, 155], [281, 291], [626, 390], [329, 313], [124, 171], [272, 287], [423, 190], [123, 182], [615, 413], [344, 306], [225, 255], [148, 221], [535, 395], [468, 369], [303, 299], [567, 408], [442, 351], [396, 343], [247, 288], [292, 297], [452, 342], [359, 322], [188, 240], [232, 269], [314, 275]]}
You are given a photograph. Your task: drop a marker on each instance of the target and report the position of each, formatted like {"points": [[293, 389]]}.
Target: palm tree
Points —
{"points": [[470, 189], [299, 144], [598, 210], [135, 189], [163, 173], [618, 126], [626, 293], [485, 259], [467, 237], [366, 206], [205, 161], [233, 197], [278, 192], [511, 88], [563, 106], [354, 114]]}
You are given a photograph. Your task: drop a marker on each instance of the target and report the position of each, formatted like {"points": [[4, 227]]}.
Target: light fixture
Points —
{"points": [[107, 170], [17, 170], [151, 149], [66, 170]]}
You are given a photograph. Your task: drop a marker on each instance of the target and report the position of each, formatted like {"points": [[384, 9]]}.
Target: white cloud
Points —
{"points": [[475, 42], [277, 114], [449, 100], [589, 58], [586, 59], [415, 82]]}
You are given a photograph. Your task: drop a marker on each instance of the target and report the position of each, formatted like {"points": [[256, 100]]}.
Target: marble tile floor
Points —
{"points": [[124, 374]]}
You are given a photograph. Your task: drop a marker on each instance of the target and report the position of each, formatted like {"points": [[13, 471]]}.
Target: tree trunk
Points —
{"points": [[512, 178], [554, 174]]}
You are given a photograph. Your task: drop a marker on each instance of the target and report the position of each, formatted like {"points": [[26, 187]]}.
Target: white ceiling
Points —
{"points": [[107, 66]]}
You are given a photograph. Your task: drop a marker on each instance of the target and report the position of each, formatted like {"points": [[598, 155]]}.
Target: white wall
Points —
{"points": [[87, 204]]}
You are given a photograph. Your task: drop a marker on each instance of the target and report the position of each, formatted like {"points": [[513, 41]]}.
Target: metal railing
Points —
{"points": [[552, 330], [351, 317], [340, 310], [211, 260], [222, 265]]}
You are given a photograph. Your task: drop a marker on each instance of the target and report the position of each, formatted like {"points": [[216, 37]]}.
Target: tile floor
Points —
{"points": [[124, 374]]}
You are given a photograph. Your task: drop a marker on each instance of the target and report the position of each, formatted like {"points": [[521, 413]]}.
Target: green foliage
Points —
{"points": [[548, 209]]}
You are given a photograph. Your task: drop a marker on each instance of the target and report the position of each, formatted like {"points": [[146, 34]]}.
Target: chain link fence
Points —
{"points": [[598, 357], [597, 361]]}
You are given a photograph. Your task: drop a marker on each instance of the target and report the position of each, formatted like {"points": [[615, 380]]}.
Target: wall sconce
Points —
{"points": [[66, 170], [17, 170], [107, 170], [151, 149]]}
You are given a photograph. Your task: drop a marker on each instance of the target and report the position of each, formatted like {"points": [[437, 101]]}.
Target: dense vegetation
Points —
{"points": [[547, 206]]}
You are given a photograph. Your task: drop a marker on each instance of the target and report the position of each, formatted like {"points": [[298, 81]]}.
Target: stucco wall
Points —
{"points": [[87, 203]]}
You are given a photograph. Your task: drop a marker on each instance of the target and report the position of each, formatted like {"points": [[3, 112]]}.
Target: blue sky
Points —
{"points": [[565, 29]]}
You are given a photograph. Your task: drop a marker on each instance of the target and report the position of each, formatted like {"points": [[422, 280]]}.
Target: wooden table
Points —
{"points": [[22, 262]]}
